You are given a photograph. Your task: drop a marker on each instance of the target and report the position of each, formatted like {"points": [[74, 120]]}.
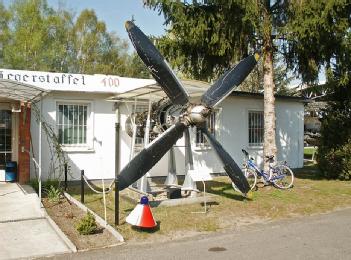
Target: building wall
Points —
{"points": [[232, 125], [289, 129], [290, 124], [232, 133], [98, 157]]}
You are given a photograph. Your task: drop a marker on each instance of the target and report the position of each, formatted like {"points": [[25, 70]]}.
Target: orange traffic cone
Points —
{"points": [[141, 216]]}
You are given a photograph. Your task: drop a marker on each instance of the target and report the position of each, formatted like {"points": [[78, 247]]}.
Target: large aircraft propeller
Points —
{"points": [[194, 115]]}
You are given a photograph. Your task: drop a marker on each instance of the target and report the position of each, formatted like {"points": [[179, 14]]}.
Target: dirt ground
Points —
{"points": [[66, 215]]}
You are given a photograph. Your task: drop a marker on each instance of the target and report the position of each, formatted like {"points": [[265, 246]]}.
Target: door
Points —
{"points": [[5, 137]]}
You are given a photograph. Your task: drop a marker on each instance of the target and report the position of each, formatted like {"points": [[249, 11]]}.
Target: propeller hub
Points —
{"points": [[197, 114]]}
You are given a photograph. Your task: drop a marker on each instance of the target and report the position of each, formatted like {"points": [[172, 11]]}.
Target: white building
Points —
{"points": [[79, 110]]}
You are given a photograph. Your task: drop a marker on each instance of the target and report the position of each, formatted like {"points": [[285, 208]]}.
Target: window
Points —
{"points": [[256, 128], [139, 109], [211, 126], [72, 123], [5, 136]]}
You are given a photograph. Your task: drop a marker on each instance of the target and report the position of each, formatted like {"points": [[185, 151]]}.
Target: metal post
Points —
{"points": [[133, 119], [172, 172], [117, 127], [116, 201], [144, 184], [82, 186], [132, 146], [40, 128], [205, 202], [66, 170], [188, 184]]}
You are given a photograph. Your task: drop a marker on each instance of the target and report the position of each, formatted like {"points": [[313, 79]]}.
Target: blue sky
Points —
{"points": [[115, 13]]}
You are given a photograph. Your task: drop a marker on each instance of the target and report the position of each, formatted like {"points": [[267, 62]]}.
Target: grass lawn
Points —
{"points": [[309, 195], [308, 152]]}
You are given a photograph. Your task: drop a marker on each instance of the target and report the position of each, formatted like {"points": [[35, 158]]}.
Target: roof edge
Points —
{"points": [[261, 95]]}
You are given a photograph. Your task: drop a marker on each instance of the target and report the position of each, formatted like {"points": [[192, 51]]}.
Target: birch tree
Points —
{"points": [[35, 36], [4, 30]]}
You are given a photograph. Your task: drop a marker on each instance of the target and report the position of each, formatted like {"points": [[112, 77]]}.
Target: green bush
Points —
{"points": [[87, 225], [45, 185], [334, 150], [336, 162], [53, 193]]}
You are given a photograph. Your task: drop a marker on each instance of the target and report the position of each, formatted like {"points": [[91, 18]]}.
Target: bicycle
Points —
{"points": [[279, 175]]}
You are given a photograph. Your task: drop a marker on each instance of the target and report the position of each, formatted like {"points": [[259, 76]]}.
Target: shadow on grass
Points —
{"points": [[147, 230], [210, 203], [74, 190], [224, 189], [309, 171], [128, 210], [215, 187]]}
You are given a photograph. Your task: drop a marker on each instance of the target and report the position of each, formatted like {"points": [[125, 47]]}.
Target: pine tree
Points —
{"points": [[207, 37]]}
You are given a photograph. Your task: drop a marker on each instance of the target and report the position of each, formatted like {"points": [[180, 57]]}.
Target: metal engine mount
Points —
{"points": [[163, 115]]}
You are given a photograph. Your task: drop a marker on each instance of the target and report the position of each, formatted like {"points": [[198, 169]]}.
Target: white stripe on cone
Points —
{"points": [[135, 216], [141, 216]]}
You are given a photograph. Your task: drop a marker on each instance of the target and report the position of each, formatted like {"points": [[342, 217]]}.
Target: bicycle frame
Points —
{"points": [[276, 172], [261, 173]]}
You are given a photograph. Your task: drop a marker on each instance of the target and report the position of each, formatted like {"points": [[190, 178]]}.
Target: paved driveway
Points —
{"points": [[24, 230]]}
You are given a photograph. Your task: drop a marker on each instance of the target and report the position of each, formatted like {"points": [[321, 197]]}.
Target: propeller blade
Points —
{"points": [[229, 165], [150, 155], [157, 65], [229, 81]]}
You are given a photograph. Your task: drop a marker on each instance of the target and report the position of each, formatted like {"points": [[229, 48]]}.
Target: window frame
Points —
{"points": [[89, 145], [206, 145], [254, 145]]}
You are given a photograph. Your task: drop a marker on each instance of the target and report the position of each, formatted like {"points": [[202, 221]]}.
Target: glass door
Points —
{"points": [[5, 137]]}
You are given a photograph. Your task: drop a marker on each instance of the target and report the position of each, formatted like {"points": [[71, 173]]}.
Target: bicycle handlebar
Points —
{"points": [[245, 152], [269, 158]]}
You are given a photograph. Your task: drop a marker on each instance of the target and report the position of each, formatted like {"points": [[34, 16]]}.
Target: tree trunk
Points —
{"points": [[269, 146]]}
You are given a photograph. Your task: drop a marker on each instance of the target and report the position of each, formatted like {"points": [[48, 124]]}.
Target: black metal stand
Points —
{"points": [[117, 126], [66, 170], [82, 186], [116, 202]]}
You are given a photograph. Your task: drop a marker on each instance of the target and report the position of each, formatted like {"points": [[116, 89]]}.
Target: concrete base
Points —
{"points": [[189, 197], [210, 198]]}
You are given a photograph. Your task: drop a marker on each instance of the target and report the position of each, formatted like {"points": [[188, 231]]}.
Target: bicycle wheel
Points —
{"points": [[282, 177], [251, 179]]}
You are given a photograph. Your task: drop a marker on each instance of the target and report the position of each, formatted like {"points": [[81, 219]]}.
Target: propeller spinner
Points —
{"points": [[194, 115]]}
